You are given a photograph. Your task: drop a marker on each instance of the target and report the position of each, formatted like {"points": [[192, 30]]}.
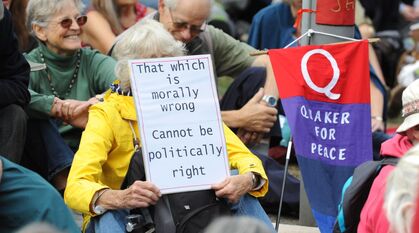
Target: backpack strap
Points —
{"points": [[355, 192], [135, 138], [389, 160]]}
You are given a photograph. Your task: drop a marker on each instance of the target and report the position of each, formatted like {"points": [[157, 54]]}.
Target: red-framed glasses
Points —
{"points": [[67, 22]]}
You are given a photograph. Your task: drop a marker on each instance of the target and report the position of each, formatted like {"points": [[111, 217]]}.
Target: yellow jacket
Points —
{"points": [[106, 148]]}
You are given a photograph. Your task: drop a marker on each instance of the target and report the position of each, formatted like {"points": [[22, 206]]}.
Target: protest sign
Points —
{"points": [[178, 113], [325, 93]]}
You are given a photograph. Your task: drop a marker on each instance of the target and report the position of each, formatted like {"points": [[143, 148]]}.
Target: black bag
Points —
{"points": [[186, 212], [355, 193], [270, 201]]}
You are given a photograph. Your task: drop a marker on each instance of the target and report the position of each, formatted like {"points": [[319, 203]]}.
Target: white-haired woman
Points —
{"points": [[63, 87], [401, 192], [106, 148]]}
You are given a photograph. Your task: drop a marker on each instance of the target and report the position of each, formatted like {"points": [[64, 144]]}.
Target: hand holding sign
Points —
{"points": [[234, 187]]}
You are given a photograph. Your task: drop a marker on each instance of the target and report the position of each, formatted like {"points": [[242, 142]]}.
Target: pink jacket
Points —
{"points": [[373, 217]]}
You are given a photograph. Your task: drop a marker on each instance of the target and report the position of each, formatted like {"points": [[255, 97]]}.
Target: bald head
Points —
{"points": [[172, 4], [181, 17]]}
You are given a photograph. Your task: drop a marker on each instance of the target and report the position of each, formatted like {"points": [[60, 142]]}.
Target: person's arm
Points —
{"points": [[45, 106], [14, 70], [247, 164], [97, 32], [377, 105], [140, 194], [253, 116], [103, 73], [84, 178], [377, 98], [408, 11], [270, 84]]}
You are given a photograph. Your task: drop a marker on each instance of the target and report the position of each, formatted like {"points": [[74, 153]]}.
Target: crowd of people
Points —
{"points": [[68, 123]]}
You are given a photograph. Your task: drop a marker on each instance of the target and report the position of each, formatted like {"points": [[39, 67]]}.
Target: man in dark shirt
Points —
{"points": [[14, 94]]}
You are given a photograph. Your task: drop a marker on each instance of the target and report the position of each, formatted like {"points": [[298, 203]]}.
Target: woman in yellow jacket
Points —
{"points": [[101, 163]]}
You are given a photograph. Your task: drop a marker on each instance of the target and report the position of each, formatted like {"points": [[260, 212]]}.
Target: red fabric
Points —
{"points": [[352, 62], [335, 12], [373, 217], [396, 146], [300, 15]]}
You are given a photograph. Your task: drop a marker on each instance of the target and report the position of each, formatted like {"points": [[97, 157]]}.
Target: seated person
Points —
{"points": [[109, 18], [63, 91], [106, 148], [251, 113], [14, 79], [401, 190], [25, 198], [373, 218]]}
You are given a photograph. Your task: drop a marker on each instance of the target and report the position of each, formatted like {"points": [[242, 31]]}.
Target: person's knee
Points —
{"points": [[14, 114]]}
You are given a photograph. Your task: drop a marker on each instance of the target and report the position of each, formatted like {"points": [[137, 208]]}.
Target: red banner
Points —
{"points": [[318, 71], [325, 94], [335, 12]]}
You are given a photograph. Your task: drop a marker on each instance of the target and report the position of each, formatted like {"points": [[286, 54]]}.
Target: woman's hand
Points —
{"points": [[79, 121], [69, 109], [256, 115], [377, 124], [72, 108], [139, 194], [249, 138], [234, 187]]}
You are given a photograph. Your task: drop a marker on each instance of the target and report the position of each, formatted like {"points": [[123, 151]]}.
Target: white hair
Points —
{"points": [[39, 227], [401, 190], [39, 11], [242, 224], [146, 39], [171, 4]]}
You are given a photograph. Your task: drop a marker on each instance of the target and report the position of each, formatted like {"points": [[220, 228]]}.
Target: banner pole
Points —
{"points": [[278, 219], [263, 52]]}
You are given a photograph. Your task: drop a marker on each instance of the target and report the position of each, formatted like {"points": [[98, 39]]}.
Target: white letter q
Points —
{"points": [[336, 72]]}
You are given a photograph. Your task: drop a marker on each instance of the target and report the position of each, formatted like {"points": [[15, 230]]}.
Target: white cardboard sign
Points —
{"points": [[178, 114]]}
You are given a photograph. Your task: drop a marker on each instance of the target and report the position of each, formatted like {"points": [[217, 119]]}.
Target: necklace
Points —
{"points": [[72, 81]]}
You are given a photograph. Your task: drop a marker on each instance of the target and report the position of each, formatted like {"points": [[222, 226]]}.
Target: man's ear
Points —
{"points": [[161, 6], [39, 32]]}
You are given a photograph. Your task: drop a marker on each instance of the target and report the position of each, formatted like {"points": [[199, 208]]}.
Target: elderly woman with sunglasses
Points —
{"points": [[63, 86]]}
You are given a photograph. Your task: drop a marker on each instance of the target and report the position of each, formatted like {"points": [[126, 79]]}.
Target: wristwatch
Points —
{"points": [[99, 210], [270, 100]]}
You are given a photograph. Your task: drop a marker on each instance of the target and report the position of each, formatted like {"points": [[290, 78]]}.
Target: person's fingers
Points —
{"points": [[80, 109], [64, 110], [258, 96]]}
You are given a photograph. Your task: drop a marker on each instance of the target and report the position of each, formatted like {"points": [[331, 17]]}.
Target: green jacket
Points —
{"points": [[95, 74]]}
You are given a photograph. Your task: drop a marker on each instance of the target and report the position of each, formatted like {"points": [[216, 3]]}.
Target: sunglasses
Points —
{"points": [[194, 29], [67, 22]]}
